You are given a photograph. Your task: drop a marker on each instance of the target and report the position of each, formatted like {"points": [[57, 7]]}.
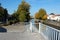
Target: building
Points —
{"points": [[54, 17]]}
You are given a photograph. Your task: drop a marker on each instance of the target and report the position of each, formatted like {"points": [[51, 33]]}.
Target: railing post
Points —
{"points": [[39, 27], [31, 26]]}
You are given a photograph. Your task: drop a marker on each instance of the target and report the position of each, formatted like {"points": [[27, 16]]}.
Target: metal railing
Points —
{"points": [[48, 32]]}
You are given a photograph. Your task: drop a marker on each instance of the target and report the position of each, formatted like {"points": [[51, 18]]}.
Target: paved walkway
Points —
{"points": [[20, 32]]}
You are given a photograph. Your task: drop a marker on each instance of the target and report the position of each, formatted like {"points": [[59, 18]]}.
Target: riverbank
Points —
{"points": [[53, 24]]}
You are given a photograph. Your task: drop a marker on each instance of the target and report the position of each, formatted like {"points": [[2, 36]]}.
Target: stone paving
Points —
{"points": [[20, 32]]}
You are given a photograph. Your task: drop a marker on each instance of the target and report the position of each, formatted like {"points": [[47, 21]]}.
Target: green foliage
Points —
{"points": [[22, 17], [3, 15], [15, 16], [6, 13], [22, 14], [1, 12], [23, 11]]}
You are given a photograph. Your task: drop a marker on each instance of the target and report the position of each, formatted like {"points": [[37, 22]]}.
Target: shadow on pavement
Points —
{"points": [[2, 29]]}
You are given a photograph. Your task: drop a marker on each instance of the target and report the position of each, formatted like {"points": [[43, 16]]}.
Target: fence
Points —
{"points": [[48, 32]]}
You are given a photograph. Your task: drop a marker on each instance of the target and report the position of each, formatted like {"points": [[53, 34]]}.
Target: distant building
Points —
{"points": [[54, 17]]}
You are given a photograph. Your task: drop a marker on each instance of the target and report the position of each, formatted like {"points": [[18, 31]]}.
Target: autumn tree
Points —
{"points": [[41, 14], [37, 15], [23, 12], [44, 17]]}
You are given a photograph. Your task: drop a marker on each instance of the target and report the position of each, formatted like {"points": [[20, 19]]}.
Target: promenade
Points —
{"points": [[20, 32]]}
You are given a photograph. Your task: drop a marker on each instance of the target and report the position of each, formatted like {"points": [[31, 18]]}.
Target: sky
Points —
{"points": [[51, 6]]}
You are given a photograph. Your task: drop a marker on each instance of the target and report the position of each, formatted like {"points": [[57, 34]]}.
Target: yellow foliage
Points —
{"points": [[37, 16], [44, 17], [41, 14]]}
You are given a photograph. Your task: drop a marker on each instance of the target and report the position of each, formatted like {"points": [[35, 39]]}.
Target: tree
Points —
{"points": [[41, 14], [22, 17], [1, 12], [5, 15], [23, 9], [37, 15], [15, 16], [44, 17]]}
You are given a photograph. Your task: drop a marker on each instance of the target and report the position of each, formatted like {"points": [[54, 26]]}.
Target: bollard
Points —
{"points": [[39, 27], [31, 26]]}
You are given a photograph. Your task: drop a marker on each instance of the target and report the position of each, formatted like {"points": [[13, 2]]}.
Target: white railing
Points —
{"points": [[48, 32]]}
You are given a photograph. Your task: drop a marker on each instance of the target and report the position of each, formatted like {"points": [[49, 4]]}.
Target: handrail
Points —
{"points": [[49, 27], [52, 28], [50, 32]]}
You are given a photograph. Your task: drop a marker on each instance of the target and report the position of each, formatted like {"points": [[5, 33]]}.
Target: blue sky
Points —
{"points": [[51, 6]]}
